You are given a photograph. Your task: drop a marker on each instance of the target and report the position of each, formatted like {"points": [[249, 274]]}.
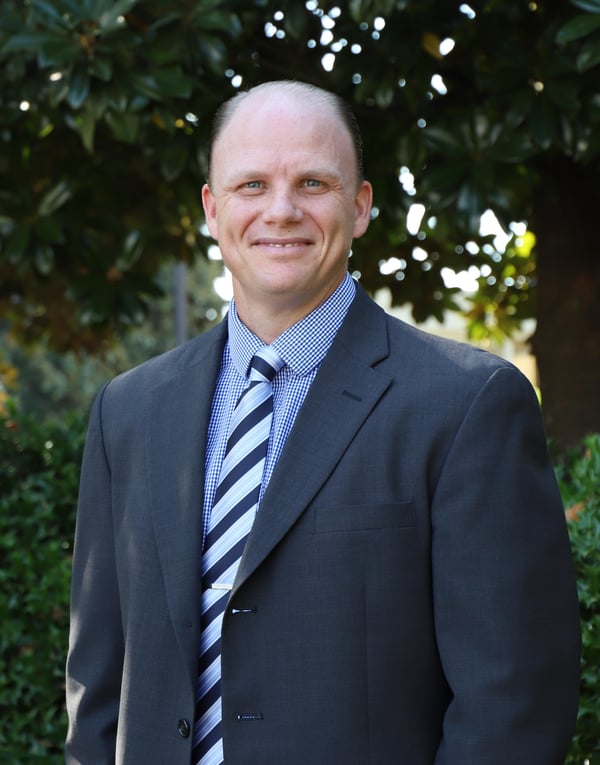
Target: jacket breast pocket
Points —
{"points": [[372, 517]]}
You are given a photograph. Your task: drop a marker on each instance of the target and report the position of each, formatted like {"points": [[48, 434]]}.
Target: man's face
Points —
{"points": [[284, 202]]}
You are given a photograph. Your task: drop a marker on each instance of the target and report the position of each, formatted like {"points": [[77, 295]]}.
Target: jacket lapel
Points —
{"points": [[176, 426], [343, 394]]}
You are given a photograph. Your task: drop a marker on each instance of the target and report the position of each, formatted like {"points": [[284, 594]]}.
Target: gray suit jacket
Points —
{"points": [[406, 596]]}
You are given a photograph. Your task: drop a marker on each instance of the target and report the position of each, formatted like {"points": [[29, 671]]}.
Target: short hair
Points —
{"points": [[339, 106]]}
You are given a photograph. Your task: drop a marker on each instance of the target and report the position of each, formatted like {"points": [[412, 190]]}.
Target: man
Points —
{"points": [[405, 594]]}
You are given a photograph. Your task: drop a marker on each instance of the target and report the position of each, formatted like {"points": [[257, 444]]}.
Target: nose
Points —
{"points": [[282, 206]]}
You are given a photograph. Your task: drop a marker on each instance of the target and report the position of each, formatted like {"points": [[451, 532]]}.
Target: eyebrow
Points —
{"points": [[240, 176]]}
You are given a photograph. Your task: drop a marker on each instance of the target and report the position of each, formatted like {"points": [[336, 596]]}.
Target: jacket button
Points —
{"points": [[183, 728]]}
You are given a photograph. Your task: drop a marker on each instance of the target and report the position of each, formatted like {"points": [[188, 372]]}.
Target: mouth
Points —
{"points": [[280, 244]]}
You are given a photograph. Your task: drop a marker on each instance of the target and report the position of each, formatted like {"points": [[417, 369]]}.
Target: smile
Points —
{"points": [[282, 245]]}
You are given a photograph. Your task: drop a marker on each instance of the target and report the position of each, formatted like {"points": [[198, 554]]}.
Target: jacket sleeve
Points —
{"points": [[505, 604], [95, 657]]}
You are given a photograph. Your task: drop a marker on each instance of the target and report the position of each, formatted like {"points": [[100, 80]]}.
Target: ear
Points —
{"points": [[362, 208], [210, 211]]}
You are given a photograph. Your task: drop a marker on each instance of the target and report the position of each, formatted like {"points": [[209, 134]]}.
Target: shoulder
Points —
{"points": [[196, 356], [433, 365], [416, 346]]}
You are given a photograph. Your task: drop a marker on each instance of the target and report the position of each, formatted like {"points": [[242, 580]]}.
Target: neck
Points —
{"points": [[267, 325], [270, 317]]}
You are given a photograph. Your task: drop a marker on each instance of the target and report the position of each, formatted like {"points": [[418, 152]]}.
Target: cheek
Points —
{"points": [[236, 220]]}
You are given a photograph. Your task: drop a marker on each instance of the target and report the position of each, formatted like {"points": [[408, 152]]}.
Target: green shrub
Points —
{"points": [[39, 472], [579, 478]]}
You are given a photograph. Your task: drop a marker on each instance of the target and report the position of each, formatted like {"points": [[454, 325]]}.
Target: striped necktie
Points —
{"points": [[234, 507]]}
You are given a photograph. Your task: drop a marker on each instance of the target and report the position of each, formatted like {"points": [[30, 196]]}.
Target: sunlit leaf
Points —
{"points": [[110, 15], [431, 43], [132, 249], [43, 259], [587, 5], [55, 198]]}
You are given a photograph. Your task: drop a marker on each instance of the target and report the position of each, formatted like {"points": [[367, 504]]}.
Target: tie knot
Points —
{"points": [[265, 364]]}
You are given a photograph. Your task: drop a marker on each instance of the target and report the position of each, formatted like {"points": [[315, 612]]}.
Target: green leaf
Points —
{"points": [[101, 67], [55, 198], [296, 20], [218, 21], [43, 259], [174, 160], [79, 87], [47, 229], [446, 178], [512, 147], [50, 14], [31, 42], [17, 242], [589, 56], [87, 129], [58, 53], [443, 140], [580, 26], [125, 127], [132, 250], [173, 83], [215, 53], [543, 123], [147, 85], [384, 95], [95, 8], [564, 93], [593, 6], [110, 18]]}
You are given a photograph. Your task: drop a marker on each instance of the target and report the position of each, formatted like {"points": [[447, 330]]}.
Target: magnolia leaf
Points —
{"points": [[43, 259], [31, 42], [593, 6], [589, 56], [125, 127], [87, 129], [79, 87], [55, 198], [111, 17], [580, 26], [443, 140], [51, 15]]}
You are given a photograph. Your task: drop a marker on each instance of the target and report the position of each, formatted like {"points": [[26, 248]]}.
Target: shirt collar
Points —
{"points": [[303, 345]]}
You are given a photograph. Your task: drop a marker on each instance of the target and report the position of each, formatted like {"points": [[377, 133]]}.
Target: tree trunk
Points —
{"points": [[567, 339]]}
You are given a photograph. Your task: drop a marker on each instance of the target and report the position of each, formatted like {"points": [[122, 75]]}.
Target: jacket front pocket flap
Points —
{"points": [[334, 518]]}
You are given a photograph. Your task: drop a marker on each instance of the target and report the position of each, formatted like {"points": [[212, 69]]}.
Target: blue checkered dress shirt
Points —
{"points": [[303, 347]]}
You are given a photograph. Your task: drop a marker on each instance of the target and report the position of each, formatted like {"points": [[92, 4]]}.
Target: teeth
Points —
{"points": [[288, 244]]}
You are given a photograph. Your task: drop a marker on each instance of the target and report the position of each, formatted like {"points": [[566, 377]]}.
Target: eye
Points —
{"points": [[253, 185], [312, 183]]}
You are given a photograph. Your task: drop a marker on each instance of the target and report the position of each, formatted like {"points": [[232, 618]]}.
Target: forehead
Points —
{"points": [[272, 127]]}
